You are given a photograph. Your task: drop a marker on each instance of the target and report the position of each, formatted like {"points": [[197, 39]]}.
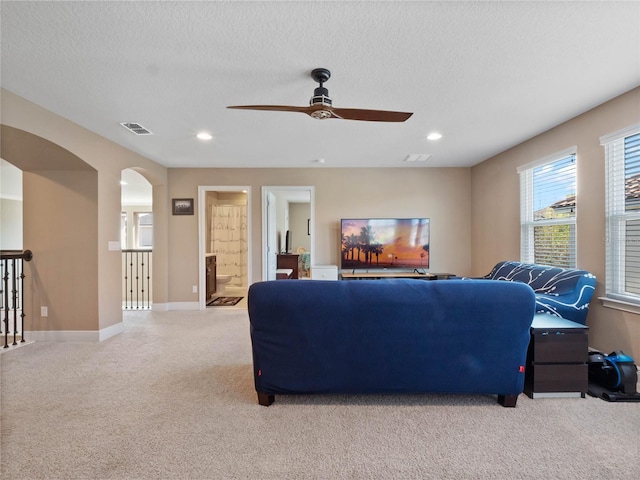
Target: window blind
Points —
{"points": [[548, 211], [622, 178]]}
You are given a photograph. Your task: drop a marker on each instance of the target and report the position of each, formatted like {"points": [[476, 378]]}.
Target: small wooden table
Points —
{"points": [[288, 260]]}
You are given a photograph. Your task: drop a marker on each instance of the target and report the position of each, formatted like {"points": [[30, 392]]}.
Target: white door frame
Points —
{"points": [[202, 210], [265, 191], [269, 248]]}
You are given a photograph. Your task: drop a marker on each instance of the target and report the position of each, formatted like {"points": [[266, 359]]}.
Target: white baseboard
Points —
{"points": [[111, 331], [166, 307], [75, 335], [184, 306]]}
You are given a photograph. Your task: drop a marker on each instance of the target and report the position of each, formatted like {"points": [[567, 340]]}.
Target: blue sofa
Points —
{"points": [[562, 292], [390, 336]]}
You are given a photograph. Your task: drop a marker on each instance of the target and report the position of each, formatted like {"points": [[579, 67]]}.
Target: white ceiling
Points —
{"points": [[487, 75]]}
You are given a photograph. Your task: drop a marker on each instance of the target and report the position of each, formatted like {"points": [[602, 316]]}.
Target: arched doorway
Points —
{"points": [[136, 240]]}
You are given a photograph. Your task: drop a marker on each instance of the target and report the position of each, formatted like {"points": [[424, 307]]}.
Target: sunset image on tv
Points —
{"points": [[385, 243]]}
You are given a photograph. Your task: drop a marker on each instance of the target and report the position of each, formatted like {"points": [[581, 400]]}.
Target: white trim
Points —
{"points": [[183, 306], [171, 306], [76, 335], [312, 220], [13, 347], [111, 331], [620, 305], [618, 134], [549, 158]]}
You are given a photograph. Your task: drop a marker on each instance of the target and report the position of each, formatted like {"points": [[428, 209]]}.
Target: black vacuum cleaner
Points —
{"points": [[613, 377]]}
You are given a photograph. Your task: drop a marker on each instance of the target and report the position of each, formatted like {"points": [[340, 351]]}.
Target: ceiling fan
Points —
{"points": [[320, 106]]}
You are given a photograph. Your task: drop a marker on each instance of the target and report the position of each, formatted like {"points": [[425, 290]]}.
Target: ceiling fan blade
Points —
{"points": [[370, 115], [326, 111], [272, 108]]}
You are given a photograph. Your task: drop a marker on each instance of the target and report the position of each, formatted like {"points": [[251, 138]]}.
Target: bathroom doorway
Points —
{"points": [[224, 226]]}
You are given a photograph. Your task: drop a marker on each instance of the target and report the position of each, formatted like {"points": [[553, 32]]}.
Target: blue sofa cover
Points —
{"points": [[390, 336], [562, 292]]}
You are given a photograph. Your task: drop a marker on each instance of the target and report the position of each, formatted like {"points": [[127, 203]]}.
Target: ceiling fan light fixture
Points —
{"points": [[321, 114]]}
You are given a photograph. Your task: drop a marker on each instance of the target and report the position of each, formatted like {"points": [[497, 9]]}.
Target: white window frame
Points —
{"points": [[527, 208], [616, 217]]}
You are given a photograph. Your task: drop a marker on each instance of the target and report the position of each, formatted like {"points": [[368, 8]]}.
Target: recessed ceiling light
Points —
{"points": [[319, 160], [434, 136], [204, 136]]}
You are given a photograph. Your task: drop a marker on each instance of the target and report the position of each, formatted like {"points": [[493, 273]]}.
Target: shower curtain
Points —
{"points": [[229, 241]]}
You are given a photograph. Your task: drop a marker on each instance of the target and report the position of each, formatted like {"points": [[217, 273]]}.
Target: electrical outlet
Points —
{"points": [[44, 311], [194, 289]]}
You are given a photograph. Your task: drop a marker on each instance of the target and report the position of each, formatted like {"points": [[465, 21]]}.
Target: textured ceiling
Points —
{"points": [[487, 75]]}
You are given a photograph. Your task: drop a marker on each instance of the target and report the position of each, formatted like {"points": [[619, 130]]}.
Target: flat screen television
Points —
{"points": [[384, 243]]}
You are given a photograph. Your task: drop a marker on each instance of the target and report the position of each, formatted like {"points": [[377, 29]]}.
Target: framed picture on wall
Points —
{"points": [[182, 206]]}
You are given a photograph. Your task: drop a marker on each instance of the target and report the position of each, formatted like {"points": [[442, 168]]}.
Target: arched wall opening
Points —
{"points": [[136, 240]]}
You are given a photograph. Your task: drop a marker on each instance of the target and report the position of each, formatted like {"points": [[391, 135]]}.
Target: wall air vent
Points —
{"points": [[136, 128], [417, 157]]}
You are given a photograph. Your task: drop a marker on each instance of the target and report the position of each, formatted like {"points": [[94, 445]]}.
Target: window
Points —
{"points": [[548, 210], [123, 230], [144, 229], [622, 177]]}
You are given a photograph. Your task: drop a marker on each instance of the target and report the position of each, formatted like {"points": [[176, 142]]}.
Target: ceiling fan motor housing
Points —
{"points": [[320, 97], [321, 94]]}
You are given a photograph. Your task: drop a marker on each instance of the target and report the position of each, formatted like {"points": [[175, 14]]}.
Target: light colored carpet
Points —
{"points": [[173, 398]]}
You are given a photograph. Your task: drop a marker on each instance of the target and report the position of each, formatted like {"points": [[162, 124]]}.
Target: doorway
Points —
{"points": [[288, 225], [224, 230], [136, 240]]}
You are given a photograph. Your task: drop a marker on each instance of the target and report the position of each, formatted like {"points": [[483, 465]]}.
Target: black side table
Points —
{"points": [[557, 358]]}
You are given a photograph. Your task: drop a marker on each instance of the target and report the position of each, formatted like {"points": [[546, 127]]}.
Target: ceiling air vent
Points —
{"points": [[136, 128], [417, 157]]}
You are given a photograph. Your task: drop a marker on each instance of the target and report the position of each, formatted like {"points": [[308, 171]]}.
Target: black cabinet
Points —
{"points": [[557, 358]]}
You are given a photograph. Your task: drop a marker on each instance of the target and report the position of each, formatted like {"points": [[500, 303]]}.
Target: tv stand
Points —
{"points": [[378, 275]]}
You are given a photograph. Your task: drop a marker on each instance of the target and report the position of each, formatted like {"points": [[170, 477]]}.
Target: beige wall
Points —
{"points": [[62, 275], [495, 209], [442, 194], [299, 214]]}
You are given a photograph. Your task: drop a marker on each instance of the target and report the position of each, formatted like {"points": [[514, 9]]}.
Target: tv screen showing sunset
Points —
{"points": [[385, 243]]}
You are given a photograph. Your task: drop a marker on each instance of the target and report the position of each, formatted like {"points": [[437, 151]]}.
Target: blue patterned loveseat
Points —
{"points": [[563, 292]]}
